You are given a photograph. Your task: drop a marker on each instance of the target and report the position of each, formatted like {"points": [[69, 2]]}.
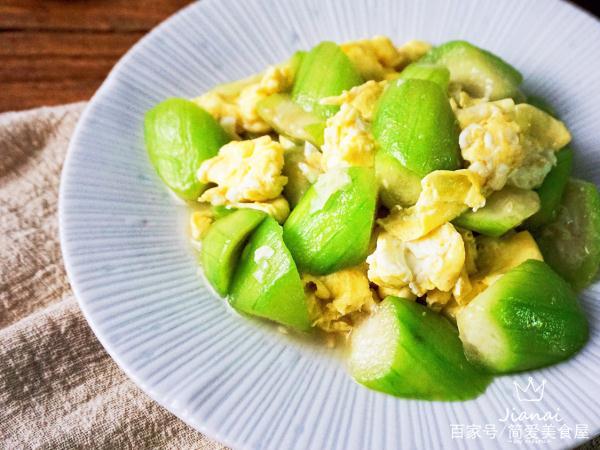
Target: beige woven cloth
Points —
{"points": [[58, 387]]}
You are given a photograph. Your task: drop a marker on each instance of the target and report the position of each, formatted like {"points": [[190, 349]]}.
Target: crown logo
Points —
{"points": [[531, 392]]}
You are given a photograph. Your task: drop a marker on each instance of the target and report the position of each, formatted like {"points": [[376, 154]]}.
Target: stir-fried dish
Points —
{"points": [[410, 202]]}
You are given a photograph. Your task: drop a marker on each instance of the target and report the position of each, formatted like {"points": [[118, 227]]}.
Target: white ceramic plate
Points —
{"points": [[237, 380]]}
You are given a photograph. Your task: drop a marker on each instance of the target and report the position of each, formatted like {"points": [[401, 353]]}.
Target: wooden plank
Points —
{"points": [[44, 43], [55, 68], [116, 15], [30, 94]]}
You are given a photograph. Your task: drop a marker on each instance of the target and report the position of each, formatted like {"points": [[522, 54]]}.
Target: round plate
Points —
{"points": [[240, 381]]}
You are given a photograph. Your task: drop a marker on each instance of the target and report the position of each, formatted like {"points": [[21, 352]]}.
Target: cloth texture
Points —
{"points": [[58, 387]]}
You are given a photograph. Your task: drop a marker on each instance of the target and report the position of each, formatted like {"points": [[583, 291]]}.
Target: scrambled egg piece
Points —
{"points": [[337, 300], [279, 208], [460, 99], [378, 58], [200, 221], [313, 163], [244, 171], [236, 108], [508, 144], [347, 137], [347, 140], [362, 97], [433, 261], [494, 257], [413, 50], [497, 256], [328, 184], [445, 195]]}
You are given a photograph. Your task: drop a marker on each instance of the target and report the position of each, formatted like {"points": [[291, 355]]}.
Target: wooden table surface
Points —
{"points": [[60, 51]]}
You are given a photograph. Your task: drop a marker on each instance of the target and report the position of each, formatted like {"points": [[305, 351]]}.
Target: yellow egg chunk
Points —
{"points": [[336, 300], [499, 255], [437, 299], [434, 261], [412, 50], [347, 140], [362, 97], [374, 58], [445, 195], [244, 171], [510, 144], [495, 257], [200, 220], [279, 208], [378, 58], [235, 107]]}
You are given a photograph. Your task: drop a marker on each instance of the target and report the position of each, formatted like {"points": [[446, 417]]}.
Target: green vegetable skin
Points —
{"points": [[478, 71], [527, 319], [331, 227], [407, 350], [266, 282], [223, 243], [571, 244], [325, 71], [288, 118], [551, 190], [179, 136], [413, 124], [503, 211], [432, 72]]}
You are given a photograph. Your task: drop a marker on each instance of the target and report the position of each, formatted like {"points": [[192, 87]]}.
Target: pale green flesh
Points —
{"points": [[571, 243], [527, 319], [407, 350], [503, 211], [298, 183], [288, 118], [397, 184], [222, 245]]}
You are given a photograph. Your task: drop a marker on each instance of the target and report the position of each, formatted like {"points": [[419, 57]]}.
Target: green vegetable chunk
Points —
{"points": [[478, 71], [325, 71], [288, 118], [551, 190], [527, 319], [331, 227], [415, 124], [220, 211], [266, 282], [223, 243], [407, 350], [179, 136], [432, 72], [397, 184], [503, 211], [571, 244], [297, 183]]}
